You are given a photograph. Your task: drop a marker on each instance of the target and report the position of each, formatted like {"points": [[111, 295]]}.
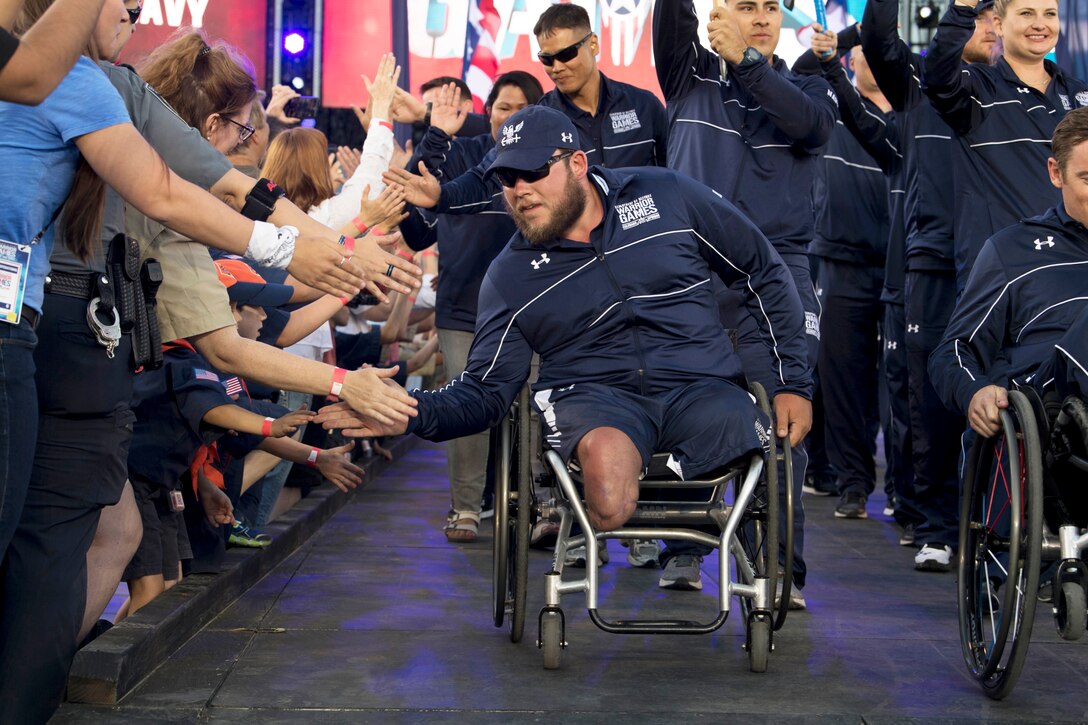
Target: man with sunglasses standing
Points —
{"points": [[744, 125], [608, 280]]}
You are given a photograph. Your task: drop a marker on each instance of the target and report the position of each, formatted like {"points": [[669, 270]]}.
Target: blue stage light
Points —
{"points": [[294, 43]]}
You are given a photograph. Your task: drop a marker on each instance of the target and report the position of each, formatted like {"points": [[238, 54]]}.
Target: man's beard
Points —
{"points": [[564, 214]]}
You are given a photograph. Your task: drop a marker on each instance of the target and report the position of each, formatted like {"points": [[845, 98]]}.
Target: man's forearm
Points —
{"points": [[48, 49]]}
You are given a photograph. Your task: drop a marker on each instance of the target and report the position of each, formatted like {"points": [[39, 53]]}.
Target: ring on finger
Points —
{"points": [[341, 262], [389, 271]]}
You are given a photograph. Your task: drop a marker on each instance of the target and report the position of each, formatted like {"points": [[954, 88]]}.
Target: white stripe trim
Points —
{"points": [[1072, 359], [475, 203], [773, 146], [932, 135], [706, 123], [1034, 107], [995, 103], [959, 361], [747, 108], [633, 143], [1010, 283], [853, 165], [748, 282], [1046, 310], [646, 297], [1006, 143]]}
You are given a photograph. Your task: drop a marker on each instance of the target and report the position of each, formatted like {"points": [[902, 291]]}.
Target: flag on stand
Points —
{"points": [[481, 64]]}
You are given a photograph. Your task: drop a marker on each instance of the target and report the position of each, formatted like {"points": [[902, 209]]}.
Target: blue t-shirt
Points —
{"points": [[38, 159]]}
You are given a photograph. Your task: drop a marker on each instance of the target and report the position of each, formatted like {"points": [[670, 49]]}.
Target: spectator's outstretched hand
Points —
{"points": [[984, 410], [401, 154], [320, 263], [371, 393], [383, 88], [386, 211], [349, 160], [375, 261], [793, 417], [423, 191], [288, 424], [335, 465], [407, 108], [446, 111], [356, 425], [280, 96]]}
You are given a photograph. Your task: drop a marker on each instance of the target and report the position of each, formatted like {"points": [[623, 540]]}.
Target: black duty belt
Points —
{"points": [[81, 286], [31, 317]]}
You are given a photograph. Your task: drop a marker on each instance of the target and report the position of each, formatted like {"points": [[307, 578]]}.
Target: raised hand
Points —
{"points": [[825, 43], [724, 34], [401, 155], [384, 212], [383, 88], [288, 424], [423, 191], [407, 108], [280, 96], [335, 465], [349, 160], [446, 111]]}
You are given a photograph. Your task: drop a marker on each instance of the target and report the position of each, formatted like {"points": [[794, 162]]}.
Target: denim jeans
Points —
{"points": [[18, 423]]}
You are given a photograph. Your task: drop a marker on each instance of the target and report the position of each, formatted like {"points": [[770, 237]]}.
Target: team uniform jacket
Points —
{"points": [[1026, 289], [1003, 130], [628, 130], [752, 136], [633, 309], [927, 140], [468, 243]]}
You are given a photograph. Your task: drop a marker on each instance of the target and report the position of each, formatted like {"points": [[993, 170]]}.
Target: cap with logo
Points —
{"points": [[246, 287], [984, 5], [529, 138]]}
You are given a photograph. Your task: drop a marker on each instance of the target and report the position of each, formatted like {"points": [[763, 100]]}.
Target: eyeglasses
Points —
{"points": [[509, 177], [565, 55], [134, 15], [245, 130]]}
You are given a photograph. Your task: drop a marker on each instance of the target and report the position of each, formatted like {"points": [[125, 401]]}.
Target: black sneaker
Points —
{"points": [[820, 486], [907, 537], [852, 506]]}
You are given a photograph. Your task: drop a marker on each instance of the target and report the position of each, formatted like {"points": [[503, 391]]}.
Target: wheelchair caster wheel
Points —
{"points": [[551, 638], [1070, 614], [759, 643]]}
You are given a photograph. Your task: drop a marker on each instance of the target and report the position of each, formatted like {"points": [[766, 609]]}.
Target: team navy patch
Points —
{"points": [[639, 211], [812, 325], [623, 121], [1065, 102]]}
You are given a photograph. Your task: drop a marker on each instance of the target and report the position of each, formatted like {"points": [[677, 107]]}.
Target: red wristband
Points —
{"points": [[266, 427], [358, 222], [349, 243], [338, 376], [311, 459], [345, 300], [386, 124], [404, 254]]}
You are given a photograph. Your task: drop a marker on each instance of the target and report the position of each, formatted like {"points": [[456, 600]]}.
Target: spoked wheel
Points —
{"points": [[759, 532], [513, 508], [1000, 549]]}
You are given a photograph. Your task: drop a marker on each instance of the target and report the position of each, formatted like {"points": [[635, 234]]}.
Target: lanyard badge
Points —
{"points": [[14, 268]]}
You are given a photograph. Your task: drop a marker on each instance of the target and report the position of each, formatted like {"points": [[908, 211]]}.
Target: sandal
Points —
{"points": [[462, 527]]}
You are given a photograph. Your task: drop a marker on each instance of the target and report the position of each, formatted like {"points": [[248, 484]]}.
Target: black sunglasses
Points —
{"points": [[509, 177], [565, 55], [134, 15], [246, 131]]}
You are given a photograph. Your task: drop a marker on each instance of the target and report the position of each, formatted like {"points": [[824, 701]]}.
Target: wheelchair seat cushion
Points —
{"points": [[705, 425]]}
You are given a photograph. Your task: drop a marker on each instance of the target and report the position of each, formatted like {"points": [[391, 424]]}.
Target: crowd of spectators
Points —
{"points": [[189, 275]]}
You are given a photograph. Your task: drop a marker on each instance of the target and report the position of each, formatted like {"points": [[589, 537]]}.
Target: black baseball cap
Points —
{"points": [[529, 138]]}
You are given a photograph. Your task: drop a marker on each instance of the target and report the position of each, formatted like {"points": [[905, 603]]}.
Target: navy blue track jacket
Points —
{"points": [[629, 129], [926, 141], [753, 136], [633, 309], [852, 194], [1026, 289], [1003, 129], [467, 243]]}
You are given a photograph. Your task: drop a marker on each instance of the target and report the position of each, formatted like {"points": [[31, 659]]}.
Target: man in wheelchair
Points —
{"points": [[608, 280]]}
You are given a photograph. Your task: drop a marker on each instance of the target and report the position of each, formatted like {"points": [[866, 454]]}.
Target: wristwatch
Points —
{"points": [[751, 57]]}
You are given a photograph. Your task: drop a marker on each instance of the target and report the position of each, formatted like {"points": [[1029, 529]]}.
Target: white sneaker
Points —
{"points": [[642, 553], [797, 599], [934, 557], [576, 557]]}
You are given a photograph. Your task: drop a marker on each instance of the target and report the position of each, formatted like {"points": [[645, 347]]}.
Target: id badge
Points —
{"points": [[14, 268]]}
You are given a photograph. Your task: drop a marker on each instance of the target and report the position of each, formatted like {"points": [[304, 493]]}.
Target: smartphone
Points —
{"points": [[302, 107]]}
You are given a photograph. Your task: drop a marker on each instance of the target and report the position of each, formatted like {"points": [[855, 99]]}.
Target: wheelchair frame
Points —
{"points": [[750, 520], [1003, 539]]}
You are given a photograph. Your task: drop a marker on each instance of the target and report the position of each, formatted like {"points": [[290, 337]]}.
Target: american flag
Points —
{"points": [[201, 374], [481, 64], [233, 386]]}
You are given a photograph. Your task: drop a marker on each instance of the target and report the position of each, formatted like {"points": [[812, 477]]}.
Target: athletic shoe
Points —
{"points": [[820, 486], [852, 506], [642, 552], [907, 537], [576, 557], [797, 599], [543, 534], [682, 572], [242, 535], [934, 557], [889, 507]]}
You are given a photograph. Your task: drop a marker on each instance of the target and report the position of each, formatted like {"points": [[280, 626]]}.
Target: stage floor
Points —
{"points": [[378, 619]]}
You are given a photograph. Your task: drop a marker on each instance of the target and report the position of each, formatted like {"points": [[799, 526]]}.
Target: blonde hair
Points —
{"points": [[298, 161], [1001, 7]]}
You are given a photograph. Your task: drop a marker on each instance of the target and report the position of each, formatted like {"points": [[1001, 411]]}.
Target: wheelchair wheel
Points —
{"points": [[513, 508], [1000, 544], [759, 642], [759, 533], [1070, 614], [551, 638]]}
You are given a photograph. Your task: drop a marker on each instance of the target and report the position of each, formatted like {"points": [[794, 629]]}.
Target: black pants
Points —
{"points": [[935, 430], [849, 360], [80, 465], [897, 435]]}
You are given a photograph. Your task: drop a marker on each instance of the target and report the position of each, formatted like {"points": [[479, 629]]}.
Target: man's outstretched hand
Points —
{"points": [[354, 424], [793, 417]]}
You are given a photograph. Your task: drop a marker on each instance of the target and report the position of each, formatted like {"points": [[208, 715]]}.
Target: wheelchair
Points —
{"points": [[1023, 505], [748, 526]]}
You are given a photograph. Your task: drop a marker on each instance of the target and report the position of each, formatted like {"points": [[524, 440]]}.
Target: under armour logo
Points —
{"points": [[1040, 243], [537, 262], [892, 344], [568, 138], [1023, 90], [912, 328]]}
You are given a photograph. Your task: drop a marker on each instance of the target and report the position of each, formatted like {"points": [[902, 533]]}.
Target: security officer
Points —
{"points": [[744, 125], [616, 124], [927, 508], [1003, 116]]}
